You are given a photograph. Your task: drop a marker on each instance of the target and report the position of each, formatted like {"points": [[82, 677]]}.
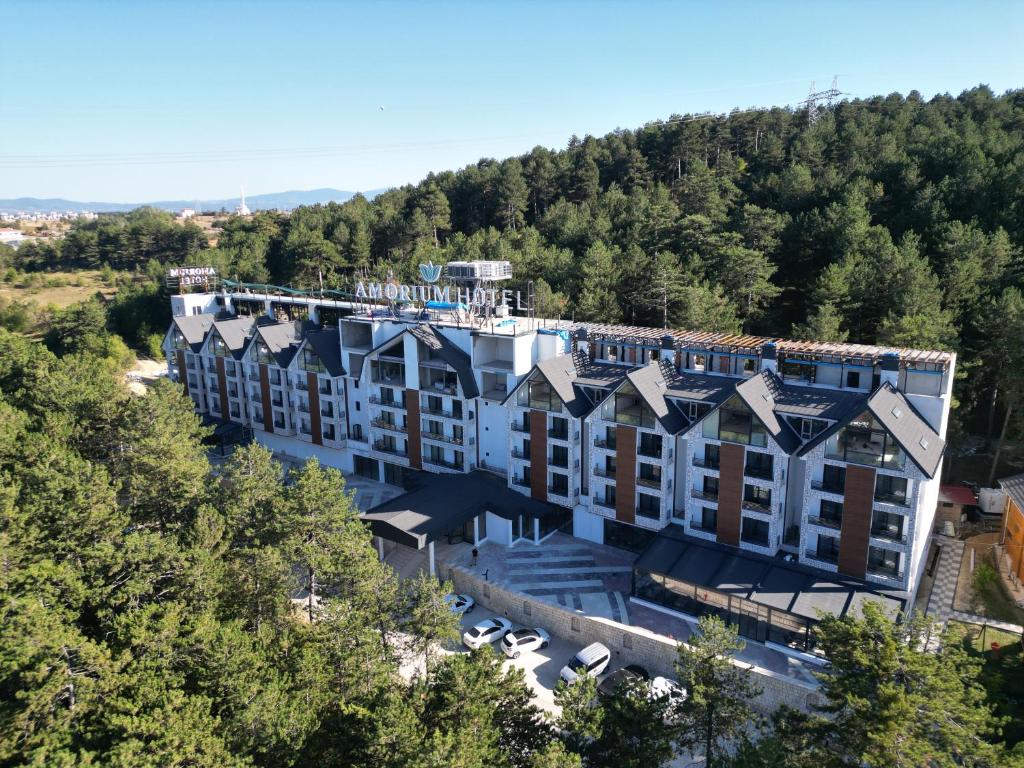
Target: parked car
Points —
{"points": [[486, 631], [591, 661], [460, 604], [665, 686], [621, 678], [514, 643]]}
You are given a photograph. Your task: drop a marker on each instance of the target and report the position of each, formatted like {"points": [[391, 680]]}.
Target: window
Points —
{"points": [[758, 465], [827, 549], [853, 379], [892, 490], [830, 513], [559, 456], [698, 362], [756, 497], [734, 422], [797, 370], [695, 411], [539, 395], [559, 484], [178, 340], [628, 408], [807, 428], [710, 487], [747, 365], [261, 353], [754, 532], [650, 445], [218, 347], [707, 520], [310, 361], [711, 454], [883, 562], [559, 428], [833, 478], [650, 475], [865, 441], [887, 526], [648, 506]]}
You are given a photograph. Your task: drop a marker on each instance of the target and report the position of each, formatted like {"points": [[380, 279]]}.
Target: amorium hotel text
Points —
{"points": [[788, 464]]}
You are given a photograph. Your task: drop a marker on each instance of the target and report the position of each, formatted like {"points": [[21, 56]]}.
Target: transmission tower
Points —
{"points": [[825, 98]]}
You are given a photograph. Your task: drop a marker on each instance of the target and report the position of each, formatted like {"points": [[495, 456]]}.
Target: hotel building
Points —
{"points": [[819, 457]]}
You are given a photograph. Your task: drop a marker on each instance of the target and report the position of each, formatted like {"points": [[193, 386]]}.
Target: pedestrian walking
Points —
{"points": [[476, 554]]}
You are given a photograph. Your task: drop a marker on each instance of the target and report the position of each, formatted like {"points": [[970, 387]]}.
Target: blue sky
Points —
{"points": [[134, 101]]}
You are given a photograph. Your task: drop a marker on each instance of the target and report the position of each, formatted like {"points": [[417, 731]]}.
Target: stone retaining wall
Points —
{"points": [[628, 644]]}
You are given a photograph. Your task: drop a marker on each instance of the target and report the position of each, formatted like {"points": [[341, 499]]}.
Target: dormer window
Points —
{"points": [[865, 441], [178, 340], [735, 423], [310, 361], [218, 347], [261, 353]]}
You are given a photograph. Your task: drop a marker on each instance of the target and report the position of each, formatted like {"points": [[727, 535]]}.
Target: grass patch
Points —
{"points": [[1002, 674], [980, 638], [991, 595]]}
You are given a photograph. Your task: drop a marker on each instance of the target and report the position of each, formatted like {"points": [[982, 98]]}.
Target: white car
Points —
{"points": [[486, 632], [514, 643], [663, 686], [590, 662], [460, 604]]}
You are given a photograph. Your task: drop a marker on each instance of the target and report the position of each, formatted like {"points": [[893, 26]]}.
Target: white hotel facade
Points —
{"points": [[823, 455]]}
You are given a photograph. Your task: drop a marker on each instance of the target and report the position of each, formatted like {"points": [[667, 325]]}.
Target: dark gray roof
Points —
{"points": [[652, 381], [326, 342], [282, 339], [567, 372], [699, 387], [450, 353], [235, 332], [194, 328], [818, 403], [439, 504], [759, 393], [765, 580], [1014, 487], [901, 420]]}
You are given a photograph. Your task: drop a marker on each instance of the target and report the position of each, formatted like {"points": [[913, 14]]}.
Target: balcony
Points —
{"points": [[328, 412], [519, 453], [256, 397], [560, 492], [835, 523], [604, 472], [756, 506], [697, 493], [440, 412], [647, 482], [604, 503], [889, 534], [560, 463], [357, 438], [377, 400], [821, 485], [762, 473], [700, 461], [884, 572], [522, 482], [443, 438], [518, 426], [389, 425], [381, 446], [301, 385], [649, 452], [558, 434], [303, 407], [600, 442], [899, 500], [443, 463], [822, 557], [253, 377], [325, 388]]}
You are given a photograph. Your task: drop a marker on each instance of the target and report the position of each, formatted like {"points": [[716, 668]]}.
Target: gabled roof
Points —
{"points": [[1014, 487], [566, 373], [281, 338], [326, 342], [652, 381], [235, 333], [450, 353], [922, 444], [759, 393], [699, 387], [396, 339], [194, 328]]}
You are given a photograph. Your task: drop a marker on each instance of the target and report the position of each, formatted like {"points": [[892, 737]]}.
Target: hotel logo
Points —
{"points": [[430, 272]]}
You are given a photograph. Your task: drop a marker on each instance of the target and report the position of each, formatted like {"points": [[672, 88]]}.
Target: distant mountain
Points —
{"points": [[282, 200]]}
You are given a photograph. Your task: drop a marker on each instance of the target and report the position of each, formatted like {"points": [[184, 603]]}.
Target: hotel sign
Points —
{"points": [[182, 277], [471, 297]]}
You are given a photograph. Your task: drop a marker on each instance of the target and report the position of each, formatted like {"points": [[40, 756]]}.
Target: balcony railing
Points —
{"points": [[822, 557], [377, 400], [558, 434], [522, 482], [560, 463], [900, 500], [649, 452], [380, 445], [647, 482], [441, 437], [381, 424], [700, 461], [327, 413], [604, 472], [520, 427], [563, 492], [518, 453], [888, 573], [606, 503], [826, 522], [697, 493], [821, 485], [325, 389], [443, 463], [600, 442], [888, 534], [756, 506], [301, 385], [303, 408], [253, 377], [440, 412], [357, 438]]}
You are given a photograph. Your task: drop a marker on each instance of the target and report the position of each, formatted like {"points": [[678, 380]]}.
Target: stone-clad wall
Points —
{"points": [[627, 644]]}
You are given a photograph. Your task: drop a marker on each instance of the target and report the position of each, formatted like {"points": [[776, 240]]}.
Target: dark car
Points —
{"points": [[622, 678]]}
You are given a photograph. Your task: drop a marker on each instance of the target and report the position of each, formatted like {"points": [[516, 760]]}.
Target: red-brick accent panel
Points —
{"points": [[539, 455], [412, 410], [268, 408], [314, 408], [183, 371], [625, 474], [858, 503], [222, 385], [730, 492]]}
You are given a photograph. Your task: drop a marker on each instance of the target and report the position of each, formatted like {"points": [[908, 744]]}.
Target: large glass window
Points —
{"points": [[559, 456], [538, 394], [827, 549], [707, 520], [793, 370], [178, 340], [758, 465], [757, 497], [630, 408], [220, 349], [830, 513], [559, 484], [650, 445], [865, 441], [559, 428], [735, 423], [892, 490], [710, 487], [884, 562], [310, 361], [833, 478], [648, 506], [887, 526], [261, 353], [754, 532]]}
